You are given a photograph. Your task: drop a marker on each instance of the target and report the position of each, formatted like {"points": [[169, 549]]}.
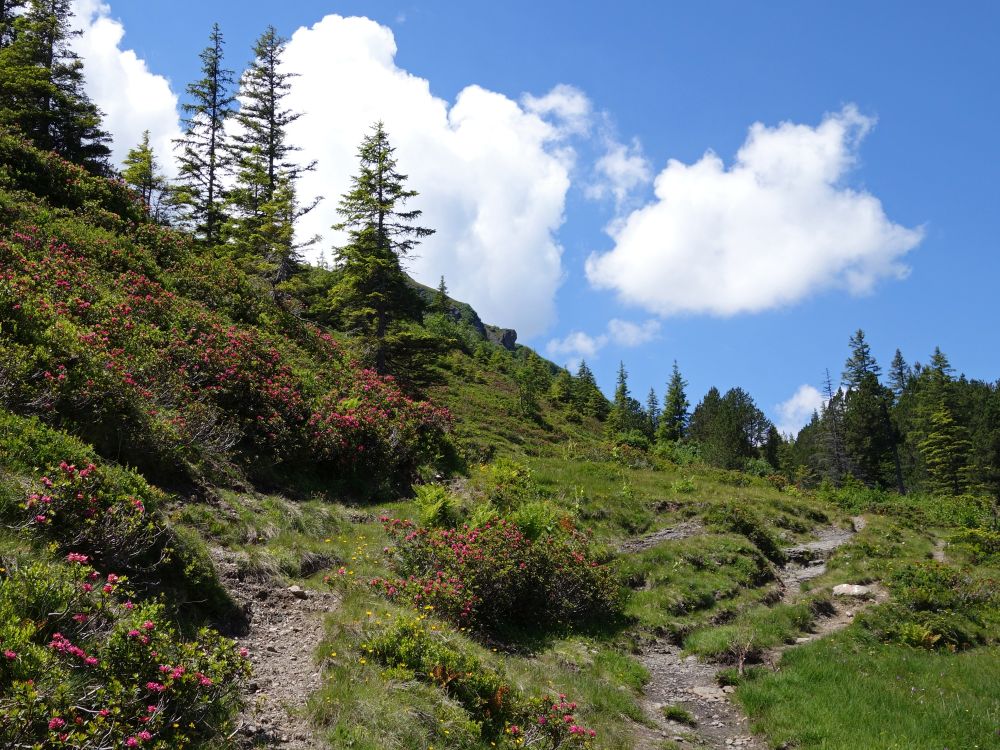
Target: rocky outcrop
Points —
{"points": [[505, 337]]}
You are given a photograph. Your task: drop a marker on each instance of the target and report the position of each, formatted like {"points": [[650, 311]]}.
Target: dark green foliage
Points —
{"points": [[203, 155], [41, 85], [371, 294], [627, 414], [673, 423], [729, 429]]}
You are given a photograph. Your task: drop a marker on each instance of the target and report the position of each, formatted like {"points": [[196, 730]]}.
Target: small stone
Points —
{"points": [[728, 689], [297, 592], [800, 641], [851, 589], [272, 648]]}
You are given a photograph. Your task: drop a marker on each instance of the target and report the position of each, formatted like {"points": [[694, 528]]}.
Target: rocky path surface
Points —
{"points": [[676, 680], [285, 627], [642, 543]]}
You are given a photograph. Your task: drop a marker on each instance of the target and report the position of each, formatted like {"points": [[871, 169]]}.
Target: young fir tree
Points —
{"points": [[674, 419], [202, 151], [945, 451], [586, 395], [652, 413], [141, 172], [372, 292], [41, 84], [441, 304]]}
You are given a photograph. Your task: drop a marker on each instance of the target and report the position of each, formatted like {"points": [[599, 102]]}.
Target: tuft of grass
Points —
{"points": [[680, 715], [750, 632]]}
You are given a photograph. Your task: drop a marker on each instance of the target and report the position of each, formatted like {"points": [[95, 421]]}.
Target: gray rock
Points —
{"points": [[298, 592], [852, 589]]}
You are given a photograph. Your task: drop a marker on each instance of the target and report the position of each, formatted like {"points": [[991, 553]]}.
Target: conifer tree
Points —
{"points": [[441, 303], [899, 374], [372, 292], [9, 11], [945, 451], [41, 84], [262, 138], [587, 396], [203, 155], [141, 171], [674, 420], [652, 413], [860, 363]]}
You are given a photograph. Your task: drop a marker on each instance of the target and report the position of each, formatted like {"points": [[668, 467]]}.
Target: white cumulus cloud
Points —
{"points": [[775, 226], [578, 345], [132, 98], [620, 170], [492, 172], [796, 412]]}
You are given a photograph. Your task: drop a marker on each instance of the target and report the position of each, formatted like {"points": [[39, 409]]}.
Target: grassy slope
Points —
{"points": [[702, 591]]}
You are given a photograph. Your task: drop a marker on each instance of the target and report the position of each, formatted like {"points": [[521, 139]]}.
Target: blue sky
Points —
{"points": [[867, 196]]}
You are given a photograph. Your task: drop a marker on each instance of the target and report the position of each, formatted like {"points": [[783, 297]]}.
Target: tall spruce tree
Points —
{"points": [[870, 436], [674, 419], [41, 84], [372, 292], [626, 413], [203, 156], [263, 119]]}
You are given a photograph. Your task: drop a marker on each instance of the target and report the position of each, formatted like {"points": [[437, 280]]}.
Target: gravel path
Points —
{"points": [[685, 682], [286, 626]]}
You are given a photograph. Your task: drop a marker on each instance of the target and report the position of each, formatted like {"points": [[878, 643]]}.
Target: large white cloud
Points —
{"points": [[492, 173], [132, 98], [796, 412], [775, 226], [578, 345]]}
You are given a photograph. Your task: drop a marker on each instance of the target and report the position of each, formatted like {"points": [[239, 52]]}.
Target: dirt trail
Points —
{"points": [[286, 626], [681, 681]]}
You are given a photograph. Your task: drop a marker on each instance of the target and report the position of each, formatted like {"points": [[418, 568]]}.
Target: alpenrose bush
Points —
{"points": [[81, 509], [88, 335], [83, 666], [412, 650], [493, 576]]}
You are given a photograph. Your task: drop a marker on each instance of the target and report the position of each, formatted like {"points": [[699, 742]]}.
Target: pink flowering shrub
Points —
{"points": [[494, 577], [83, 666], [91, 334], [82, 509]]}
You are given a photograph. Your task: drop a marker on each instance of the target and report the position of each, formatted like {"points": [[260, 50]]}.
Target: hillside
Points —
{"points": [[221, 529]]}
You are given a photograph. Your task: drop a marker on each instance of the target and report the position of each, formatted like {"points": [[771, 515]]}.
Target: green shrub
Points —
{"points": [[509, 484], [438, 507], [680, 715], [536, 519], [412, 650]]}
